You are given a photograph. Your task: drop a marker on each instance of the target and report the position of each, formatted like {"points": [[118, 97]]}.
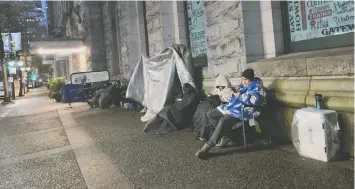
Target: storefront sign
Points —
{"points": [[56, 44], [314, 19], [196, 21], [89, 77], [12, 70], [47, 62], [12, 42]]}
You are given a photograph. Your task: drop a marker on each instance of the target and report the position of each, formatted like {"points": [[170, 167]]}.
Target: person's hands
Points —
{"points": [[226, 112]]}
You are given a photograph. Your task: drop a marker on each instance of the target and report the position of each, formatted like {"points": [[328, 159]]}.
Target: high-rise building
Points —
{"points": [[36, 22], [58, 12], [45, 14]]}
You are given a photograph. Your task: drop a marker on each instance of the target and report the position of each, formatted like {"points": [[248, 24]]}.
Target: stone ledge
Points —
{"points": [[338, 61], [331, 65], [311, 54]]}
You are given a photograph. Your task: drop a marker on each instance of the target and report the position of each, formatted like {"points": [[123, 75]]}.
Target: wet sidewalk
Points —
{"points": [[44, 144]]}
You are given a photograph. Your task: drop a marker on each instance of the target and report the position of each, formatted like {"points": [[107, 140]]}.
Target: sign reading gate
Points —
{"points": [[314, 19]]}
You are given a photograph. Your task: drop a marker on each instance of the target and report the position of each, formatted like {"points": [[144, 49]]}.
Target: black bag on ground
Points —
{"points": [[176, 116], [200, 123], [105, 99]]}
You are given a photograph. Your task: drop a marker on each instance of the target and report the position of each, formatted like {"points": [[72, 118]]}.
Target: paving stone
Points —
{"points": [[54, 171], [32, 142]]}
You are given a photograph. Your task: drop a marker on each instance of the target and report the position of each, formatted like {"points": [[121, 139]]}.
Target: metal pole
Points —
{"points": [[20, 71], [12, 75], [21, 87], [13, 90], [2, 61], [25, 44]]}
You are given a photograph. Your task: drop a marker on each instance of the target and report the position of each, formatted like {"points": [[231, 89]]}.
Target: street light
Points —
{"points": [[61, 51]]}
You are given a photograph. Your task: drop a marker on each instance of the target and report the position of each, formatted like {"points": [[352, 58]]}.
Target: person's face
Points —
{"points": [[220, 87], [245, 81]]}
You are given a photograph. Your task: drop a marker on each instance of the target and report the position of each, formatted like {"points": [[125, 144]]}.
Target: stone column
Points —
{"points": [[263, 29], [109, 22], [95, 36], [142, 28], [273, 34], [131, 35], [225, 37], [180, 22], [155, 36], [166, 24]]}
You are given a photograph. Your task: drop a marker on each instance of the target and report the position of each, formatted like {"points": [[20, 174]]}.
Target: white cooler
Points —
{"points": [[315, 133]]}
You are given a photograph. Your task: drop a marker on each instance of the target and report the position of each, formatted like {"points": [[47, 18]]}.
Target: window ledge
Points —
{"points": [[309, 54], [330, 62]]}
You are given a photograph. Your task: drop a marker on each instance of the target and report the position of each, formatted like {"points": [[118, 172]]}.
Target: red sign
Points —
{"points": [[322, 14]]}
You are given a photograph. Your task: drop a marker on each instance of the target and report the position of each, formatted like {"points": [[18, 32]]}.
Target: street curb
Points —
{"points": [[89, 157]]}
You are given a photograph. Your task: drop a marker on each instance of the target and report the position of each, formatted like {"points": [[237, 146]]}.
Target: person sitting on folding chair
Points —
{"points": [[224, 117]]}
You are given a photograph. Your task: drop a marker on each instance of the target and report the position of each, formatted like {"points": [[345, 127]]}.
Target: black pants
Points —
{"points": [[221, 123]]}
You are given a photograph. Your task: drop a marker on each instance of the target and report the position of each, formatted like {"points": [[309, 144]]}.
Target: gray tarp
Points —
{"points": [[153, 81]]}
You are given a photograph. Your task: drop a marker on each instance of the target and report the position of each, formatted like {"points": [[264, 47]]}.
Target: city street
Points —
{"points": [[45, 145]]}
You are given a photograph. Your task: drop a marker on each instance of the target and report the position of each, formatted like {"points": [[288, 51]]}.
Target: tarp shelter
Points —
{"points": [[164, 84]]}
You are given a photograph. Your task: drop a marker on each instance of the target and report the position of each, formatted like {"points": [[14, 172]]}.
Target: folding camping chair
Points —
{"points": [[260, 110]]}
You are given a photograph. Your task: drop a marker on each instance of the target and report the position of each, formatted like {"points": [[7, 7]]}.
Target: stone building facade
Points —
{"points": [[227, 37]]}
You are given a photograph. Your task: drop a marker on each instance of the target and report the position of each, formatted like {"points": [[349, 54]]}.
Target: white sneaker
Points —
{"points": [[148, 116]]}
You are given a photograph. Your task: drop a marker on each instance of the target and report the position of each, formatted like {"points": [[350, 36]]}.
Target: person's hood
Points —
{"points": [[222, 80]]}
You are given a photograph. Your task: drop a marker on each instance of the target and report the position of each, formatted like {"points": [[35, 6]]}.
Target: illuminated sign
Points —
{"points": [[12, 41]]}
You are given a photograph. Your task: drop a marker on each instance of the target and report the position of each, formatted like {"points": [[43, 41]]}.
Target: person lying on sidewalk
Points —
{"points": [[224, 117]]}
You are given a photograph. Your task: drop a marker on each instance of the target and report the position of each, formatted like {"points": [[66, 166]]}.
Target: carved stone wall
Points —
{"points": [[95, 38], [225, 37], [110, 35], [130, 38], [154, 27], [88, 25], [165, 24]]}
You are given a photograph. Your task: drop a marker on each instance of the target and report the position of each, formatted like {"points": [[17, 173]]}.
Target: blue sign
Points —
{"points": [[196, 21], [34, 76]]}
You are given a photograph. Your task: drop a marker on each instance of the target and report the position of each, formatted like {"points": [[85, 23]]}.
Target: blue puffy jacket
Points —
{"points": [[250, 95]]}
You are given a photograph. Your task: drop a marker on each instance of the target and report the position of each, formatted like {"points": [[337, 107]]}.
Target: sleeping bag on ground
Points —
{"points": [[200, 123], [176, 116]]}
